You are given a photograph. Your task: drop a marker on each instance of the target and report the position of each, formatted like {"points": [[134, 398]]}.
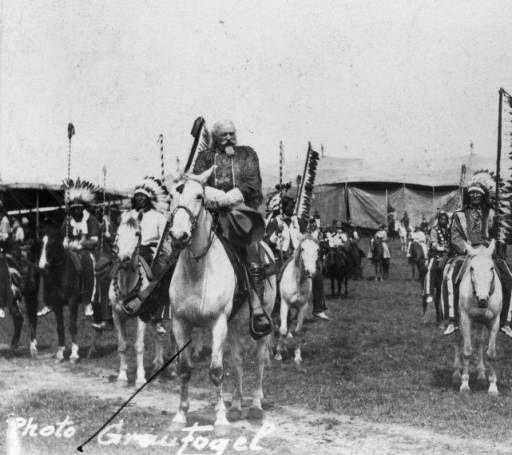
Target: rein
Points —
{"points": [[133, 263], [473, 285], [194, 221]]}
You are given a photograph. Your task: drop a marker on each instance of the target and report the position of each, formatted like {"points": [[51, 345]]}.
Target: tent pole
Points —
{"points": [[37, 214], [386, 210], [433, 199]]}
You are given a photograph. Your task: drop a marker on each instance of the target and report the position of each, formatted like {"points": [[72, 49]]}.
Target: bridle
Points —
{"points": [[131, 264], [473, 285], [194, 221]]}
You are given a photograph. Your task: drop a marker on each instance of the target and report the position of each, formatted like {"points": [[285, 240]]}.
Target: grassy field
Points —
{"points": [[375, 361]]}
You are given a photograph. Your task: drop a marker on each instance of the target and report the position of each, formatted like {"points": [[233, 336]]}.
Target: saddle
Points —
{"points": [[244, 282]]}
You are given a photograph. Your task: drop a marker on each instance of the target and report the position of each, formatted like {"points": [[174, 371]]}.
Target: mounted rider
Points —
{"points": [[150, 206], [380, 236], [235, 185], [419, 236], [282, 230], [438, 251], [5, 239], [475, 224]]}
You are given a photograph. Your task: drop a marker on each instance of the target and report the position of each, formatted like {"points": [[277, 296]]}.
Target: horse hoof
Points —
{"points": [[121, 377], [456, 378], [140, 382], [493, 390], [255, 413], [464, 388], [234, 414], [278, 357], [74, 360]]}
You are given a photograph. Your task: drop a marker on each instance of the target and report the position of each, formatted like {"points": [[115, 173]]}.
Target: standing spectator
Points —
{"points": [[18, 233]]}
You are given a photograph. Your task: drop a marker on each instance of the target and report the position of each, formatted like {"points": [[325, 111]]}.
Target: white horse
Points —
{"points": [[403, 235], [480, 303], [202, 292], [296, 287], [130, 275]]}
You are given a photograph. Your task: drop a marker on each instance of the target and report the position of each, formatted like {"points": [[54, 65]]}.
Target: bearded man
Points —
{"points": [[236, 181]]}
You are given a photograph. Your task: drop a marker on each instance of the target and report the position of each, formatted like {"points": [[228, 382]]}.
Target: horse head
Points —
{"points": [[188, 202], [53, 252], [128, 237], [482, 272], [306, 253]]}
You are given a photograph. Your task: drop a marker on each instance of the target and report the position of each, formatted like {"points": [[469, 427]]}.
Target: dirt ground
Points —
{"points": [[377, 380], [297, 430]]}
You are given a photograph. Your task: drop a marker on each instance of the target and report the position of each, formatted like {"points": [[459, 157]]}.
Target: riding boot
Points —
{"points": [[260, 323]]}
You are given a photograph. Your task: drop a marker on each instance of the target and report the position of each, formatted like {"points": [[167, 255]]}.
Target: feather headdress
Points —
{"points": [[484, 182], [156, 191], [80, 192]]}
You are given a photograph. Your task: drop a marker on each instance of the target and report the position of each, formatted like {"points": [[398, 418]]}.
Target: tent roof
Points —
{"points": [[435, 172]]}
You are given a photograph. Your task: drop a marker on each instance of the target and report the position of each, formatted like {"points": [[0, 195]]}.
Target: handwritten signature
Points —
{"points": [[195, 438]]}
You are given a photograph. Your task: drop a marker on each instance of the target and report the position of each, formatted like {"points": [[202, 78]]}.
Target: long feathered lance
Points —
{"points": [[504, 170], [162, 164], [71, 133]]}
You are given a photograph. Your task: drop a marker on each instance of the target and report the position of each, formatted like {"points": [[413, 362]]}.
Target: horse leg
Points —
{"points": [[300, 321], [120, 326], [457, 365], [17, 319], [158, 360], [346, 287], [73, 329], [283, 330], [219, 334], [481, 377], [59, 317], [491, 356], [198, 346], [182, 332], [139, 350], [467, 351], [31, 306], [235, 411], [262, 356], [332, 286]]}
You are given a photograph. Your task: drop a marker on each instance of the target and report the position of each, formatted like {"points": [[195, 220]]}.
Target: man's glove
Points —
{"points": [[215, 198]]}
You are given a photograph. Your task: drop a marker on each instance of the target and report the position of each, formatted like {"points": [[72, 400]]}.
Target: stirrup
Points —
{"points": [[259, 334]]}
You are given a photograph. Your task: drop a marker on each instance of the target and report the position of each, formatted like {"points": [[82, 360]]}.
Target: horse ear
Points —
{"points": [[490, 249], [203, 178], [470, 250]]}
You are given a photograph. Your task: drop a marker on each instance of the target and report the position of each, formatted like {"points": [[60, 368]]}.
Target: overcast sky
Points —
{"points": [[365, 78]]}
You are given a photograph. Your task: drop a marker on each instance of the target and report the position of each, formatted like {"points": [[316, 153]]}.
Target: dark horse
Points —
{"points": [[432, 287], [62, 286], [418, 261], [19, 280], [336, 269], [380, 263]]}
